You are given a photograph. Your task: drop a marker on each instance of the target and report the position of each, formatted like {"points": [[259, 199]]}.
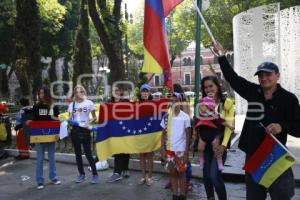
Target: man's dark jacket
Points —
{"points": [[283, 108]]}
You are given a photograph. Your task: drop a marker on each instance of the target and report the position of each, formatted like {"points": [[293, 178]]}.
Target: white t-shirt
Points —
{"points": [[81, 110], [178, 134]]}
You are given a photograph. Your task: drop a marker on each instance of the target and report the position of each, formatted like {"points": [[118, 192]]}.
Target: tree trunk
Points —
{"points": [[52, 70], [108, 28], [23, 79], [65, 75], [83, 55], [4, 84], [28, 31]]}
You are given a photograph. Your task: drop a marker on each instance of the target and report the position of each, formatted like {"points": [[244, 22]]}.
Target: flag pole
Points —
{"points": [[204, 22], [297, 160], [197, 58]]}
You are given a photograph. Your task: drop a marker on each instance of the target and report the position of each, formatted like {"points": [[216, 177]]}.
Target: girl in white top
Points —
{"points": [[79, 112]]}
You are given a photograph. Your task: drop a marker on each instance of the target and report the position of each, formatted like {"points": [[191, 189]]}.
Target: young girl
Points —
{"points": [[210, 127], [146, 159], [79, 111], [44, 111]]}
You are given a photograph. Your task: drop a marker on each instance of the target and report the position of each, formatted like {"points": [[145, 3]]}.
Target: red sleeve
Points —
{"points": [[2, 108]]}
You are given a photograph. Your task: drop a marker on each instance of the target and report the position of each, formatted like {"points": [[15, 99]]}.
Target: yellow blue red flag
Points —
{"points": [[269, 161], [129, 127], [156, 53], [44, 131]]}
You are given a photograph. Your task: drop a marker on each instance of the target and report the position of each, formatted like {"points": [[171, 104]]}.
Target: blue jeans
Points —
{"points": [[212, 176], [40, 153], [282, 188]]}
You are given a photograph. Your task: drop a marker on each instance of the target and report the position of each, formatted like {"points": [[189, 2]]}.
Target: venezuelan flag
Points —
{"points": [[269, 161], [129, 127], [44, 131], [156, 54]]}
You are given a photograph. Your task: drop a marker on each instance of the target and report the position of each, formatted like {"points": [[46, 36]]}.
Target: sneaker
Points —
{"points": [[95, 179], [113, 178], [142, 181], [125, 174], [80, 178], [56, 182], [149, 181], [40, 186]]}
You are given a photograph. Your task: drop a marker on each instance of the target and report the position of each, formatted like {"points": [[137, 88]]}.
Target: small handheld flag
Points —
{"points": [[269, 161], [44, 131]]}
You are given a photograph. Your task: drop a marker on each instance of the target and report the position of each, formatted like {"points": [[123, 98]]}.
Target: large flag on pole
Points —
{"points": [[156, 54], [269, 161]]}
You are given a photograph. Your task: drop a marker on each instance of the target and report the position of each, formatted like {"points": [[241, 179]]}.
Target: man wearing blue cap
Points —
{"points": [[274, 107]]}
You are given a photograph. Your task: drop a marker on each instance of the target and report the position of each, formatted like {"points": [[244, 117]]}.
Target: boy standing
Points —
{"points": [[175, 146]]}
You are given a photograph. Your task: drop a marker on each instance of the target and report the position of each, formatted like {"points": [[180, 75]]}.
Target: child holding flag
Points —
{"points": [[175, 147]]}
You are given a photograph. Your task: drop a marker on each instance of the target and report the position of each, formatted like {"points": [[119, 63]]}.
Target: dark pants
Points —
{"points": [[282, 188], [121, 163], [212, 175], [81, 136]]}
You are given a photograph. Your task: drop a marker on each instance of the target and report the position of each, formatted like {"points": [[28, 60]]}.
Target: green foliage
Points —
{"points": [[220, 14], [52, 14]]}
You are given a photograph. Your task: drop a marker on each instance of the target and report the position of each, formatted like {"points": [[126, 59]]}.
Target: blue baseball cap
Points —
{"points": [[145, 87], [267, 67], [177, 95]]}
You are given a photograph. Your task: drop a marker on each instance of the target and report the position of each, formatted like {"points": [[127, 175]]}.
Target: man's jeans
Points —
{"points": [[281, 189], [40, 153]]}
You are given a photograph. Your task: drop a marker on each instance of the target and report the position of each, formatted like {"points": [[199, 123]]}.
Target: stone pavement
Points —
{"points": [[17, 183]]}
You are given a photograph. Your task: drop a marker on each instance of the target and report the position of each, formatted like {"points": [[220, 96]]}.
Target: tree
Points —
{"points": [[220, 14], [28, 33], [179, 29], [83, 54], [66, 36], [52, 14], [107, 21]]}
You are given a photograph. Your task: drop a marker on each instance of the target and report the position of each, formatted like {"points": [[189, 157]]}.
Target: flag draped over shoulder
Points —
{"points": [[268, 162], [44, 131], [156, 54], [129, 127]]}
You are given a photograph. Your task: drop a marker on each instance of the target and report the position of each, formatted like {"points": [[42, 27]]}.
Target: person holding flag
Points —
{"points": [[43, 111], [271, 110]]}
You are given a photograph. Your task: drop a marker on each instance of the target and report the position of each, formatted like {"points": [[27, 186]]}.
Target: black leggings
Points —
{"points": [[121, 163], [82, 136]]}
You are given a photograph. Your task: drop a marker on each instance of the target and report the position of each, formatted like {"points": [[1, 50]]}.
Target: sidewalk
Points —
{"points": [[17, 182]]}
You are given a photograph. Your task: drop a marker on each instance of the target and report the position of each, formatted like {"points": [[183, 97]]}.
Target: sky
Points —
{"points": [[133, 4]]}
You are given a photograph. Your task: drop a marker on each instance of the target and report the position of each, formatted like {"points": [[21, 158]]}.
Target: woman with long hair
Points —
{"points": [[79, 112], [213, 180], [121, 160], [44, 111]]}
